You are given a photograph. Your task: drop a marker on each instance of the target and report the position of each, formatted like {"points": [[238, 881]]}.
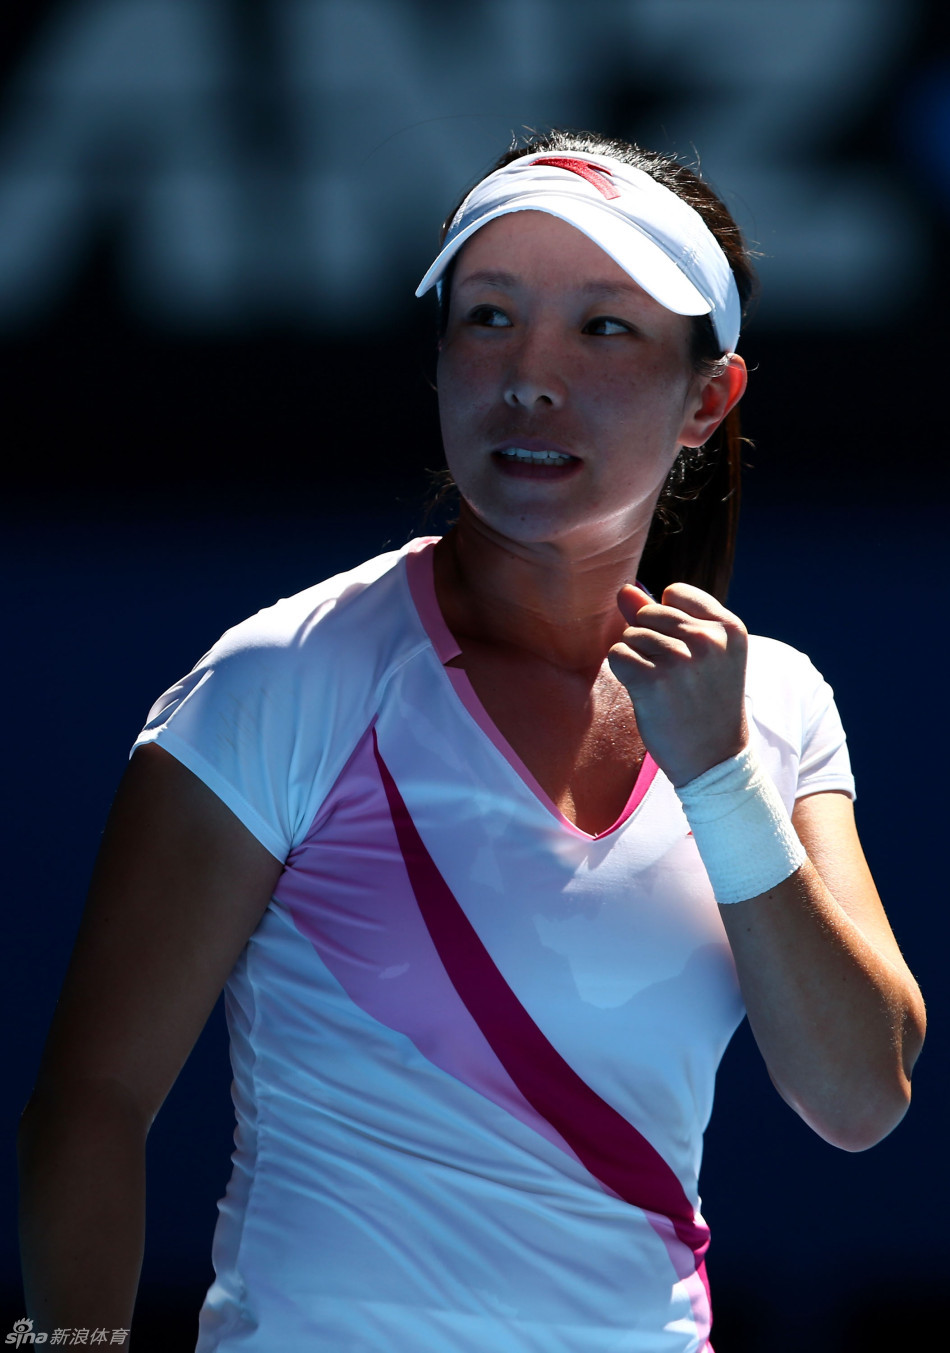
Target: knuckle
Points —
{"points": [[707, 638], [622, 655], [677, 591]]}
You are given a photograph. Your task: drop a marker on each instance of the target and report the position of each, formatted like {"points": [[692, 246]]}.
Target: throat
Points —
{"points": [[577, 738], [535, 601]]}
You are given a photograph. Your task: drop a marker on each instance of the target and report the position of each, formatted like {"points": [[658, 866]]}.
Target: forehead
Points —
{"points": [[533, 244]]}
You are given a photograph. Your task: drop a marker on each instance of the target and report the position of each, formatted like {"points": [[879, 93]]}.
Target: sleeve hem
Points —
{"points": [[824, 784], [206, 773]]}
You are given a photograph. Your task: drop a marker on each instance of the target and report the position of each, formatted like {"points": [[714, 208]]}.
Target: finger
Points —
{"points": [[656, 649], [693, 601], [639, 608], [629, 667], [631, 599], [695, 634]]}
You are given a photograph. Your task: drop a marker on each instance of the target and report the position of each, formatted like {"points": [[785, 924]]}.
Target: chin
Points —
{"points": [[556, 530]]}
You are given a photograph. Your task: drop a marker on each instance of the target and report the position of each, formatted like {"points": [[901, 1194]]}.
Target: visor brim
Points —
{"points": [[634, 251]]}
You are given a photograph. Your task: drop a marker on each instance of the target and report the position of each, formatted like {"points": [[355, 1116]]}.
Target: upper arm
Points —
{"points": [[826, 827], [179, 886]]}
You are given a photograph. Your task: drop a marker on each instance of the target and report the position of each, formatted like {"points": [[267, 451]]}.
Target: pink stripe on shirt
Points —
{"points": [[610, 1147]]}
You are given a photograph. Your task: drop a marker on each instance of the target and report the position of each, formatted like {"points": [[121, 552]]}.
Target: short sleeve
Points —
{"points": [[793, 715], [825, 763], [232, 722], [268, 718]]}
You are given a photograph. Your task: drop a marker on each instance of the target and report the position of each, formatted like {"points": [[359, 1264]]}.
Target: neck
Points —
{"points": [[557, 600]]}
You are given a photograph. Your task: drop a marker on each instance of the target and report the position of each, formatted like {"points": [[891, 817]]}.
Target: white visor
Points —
{"points": [[656, 237]]}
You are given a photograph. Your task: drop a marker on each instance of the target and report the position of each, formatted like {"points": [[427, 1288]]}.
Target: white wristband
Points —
{"points": [[742, 828]]}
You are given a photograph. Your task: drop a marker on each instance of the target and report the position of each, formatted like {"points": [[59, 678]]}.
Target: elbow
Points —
{"points": [[863, 1131], [59, 1119], [878, 1112], [913, 1031], [856, 1122], [860, 1106]]}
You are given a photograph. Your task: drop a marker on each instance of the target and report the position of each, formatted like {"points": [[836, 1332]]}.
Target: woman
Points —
{"points": [[453, 828]]}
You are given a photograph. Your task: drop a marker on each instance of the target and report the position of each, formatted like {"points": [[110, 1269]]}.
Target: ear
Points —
{"points": [[710, 400]]}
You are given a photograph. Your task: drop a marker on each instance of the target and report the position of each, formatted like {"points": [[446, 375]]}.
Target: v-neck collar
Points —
{"points": [[420, 575]]}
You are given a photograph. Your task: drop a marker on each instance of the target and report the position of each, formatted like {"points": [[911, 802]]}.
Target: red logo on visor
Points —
{"points": [[595, 174]]}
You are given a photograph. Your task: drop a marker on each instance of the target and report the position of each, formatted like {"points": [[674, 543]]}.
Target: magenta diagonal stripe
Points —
{"points": [[608, 1145]]}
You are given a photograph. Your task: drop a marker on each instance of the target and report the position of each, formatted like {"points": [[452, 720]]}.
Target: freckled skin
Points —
{"points": [[602, 374], [550, 345]]}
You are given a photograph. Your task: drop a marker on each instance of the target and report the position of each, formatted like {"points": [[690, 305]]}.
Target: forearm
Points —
{"points": [[838, 1024], [82, 1209], [836, 1013]]}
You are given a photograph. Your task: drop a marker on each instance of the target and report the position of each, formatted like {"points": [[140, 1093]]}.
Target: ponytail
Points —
{"points": [[693, 535]]}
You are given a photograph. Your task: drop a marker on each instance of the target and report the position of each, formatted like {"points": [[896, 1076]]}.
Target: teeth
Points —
{"points": [[536, 457]]}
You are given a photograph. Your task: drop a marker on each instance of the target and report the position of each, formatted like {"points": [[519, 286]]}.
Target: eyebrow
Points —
{"points": [[608, 288], [506, 281], [503, 281]]}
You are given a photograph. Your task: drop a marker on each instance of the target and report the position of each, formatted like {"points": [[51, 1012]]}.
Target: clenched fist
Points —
{"points": [[683, 662]]}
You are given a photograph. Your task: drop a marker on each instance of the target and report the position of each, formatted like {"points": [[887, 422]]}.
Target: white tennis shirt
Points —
{"points": [[473, 1046]]}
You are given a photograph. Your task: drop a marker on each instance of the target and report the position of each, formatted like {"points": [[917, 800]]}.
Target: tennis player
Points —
{"points": [[490, 846]]}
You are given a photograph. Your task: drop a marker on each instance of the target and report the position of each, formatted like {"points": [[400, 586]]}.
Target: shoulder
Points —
{"points": [[780, 679], [269, 715], [359, 621], [327, 617], [784, 689], [772, 654], [794, 719]]}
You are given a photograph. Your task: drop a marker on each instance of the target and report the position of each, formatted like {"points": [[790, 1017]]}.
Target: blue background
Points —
{"points": [[187, 441]]}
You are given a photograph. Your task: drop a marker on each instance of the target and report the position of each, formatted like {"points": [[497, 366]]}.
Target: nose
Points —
{"points": [[532, 378]]}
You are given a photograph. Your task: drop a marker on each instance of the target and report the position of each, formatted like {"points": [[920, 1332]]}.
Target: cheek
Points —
{"points": [[455, 411], [451, 412], [638, 408], [654, 403], [464, 387]]}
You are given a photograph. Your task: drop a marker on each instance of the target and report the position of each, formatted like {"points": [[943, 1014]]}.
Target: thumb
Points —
{"points": [[631, 599]]}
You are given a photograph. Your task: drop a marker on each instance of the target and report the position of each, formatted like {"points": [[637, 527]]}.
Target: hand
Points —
{"points": [[683, 662]]}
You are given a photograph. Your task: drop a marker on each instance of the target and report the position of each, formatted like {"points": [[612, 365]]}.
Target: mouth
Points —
{"points": [[535, 462], [527, 457]]}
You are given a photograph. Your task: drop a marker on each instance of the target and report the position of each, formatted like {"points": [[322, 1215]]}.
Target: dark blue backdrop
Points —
{"points": [[213, 392]]}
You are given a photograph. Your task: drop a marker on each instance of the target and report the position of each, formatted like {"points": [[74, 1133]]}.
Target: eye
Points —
{"points": [[605, 326], [489, 317]]}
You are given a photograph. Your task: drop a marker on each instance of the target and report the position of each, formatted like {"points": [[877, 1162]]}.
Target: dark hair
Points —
{"points": [[693, 534]]}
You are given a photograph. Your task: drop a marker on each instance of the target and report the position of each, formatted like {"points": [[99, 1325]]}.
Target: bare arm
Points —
{"points": [[835, 1012], [834, 1009], [179, 886]]}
